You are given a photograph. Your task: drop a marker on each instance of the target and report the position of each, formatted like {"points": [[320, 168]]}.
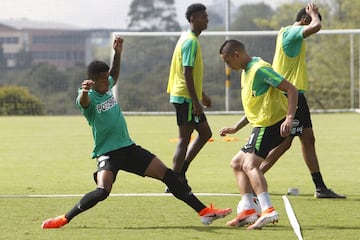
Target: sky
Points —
{"points": [[87, 13]]}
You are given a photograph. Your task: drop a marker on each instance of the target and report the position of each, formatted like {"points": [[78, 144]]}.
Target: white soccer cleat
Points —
{"points": [[268, 216], [245, 217], [209, 214]]}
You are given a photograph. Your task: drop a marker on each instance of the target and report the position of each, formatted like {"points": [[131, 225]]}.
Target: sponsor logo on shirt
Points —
{"points": [[105, 106]]}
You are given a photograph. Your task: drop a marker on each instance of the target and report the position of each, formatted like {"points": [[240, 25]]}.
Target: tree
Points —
{"points": [[16, 100], [56, 89], [216, 14], [215, 20], [283, 15], [48, 78], [247, 20], [247, 15], [329, 86], [153, 15], [342, 13]]}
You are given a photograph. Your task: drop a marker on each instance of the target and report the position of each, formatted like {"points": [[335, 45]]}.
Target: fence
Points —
{"points": [[333, 63]]}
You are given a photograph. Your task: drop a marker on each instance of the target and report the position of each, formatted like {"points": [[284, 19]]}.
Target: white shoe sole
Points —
{"points": [[272, 217], [207, 220]]}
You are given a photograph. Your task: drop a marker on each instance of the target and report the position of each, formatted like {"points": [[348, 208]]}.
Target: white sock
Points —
{"points": [[264, 200], [245, 203]]}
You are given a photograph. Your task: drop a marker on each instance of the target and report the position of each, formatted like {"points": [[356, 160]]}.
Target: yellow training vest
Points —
{"points": [[268, 107], [293, 68], [176, 83]]}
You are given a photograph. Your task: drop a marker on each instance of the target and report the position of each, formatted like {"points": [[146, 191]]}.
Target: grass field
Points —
{"points": [[51, 156]]}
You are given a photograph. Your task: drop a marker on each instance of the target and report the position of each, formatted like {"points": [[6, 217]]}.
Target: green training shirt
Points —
{"points": [[108, 124]]}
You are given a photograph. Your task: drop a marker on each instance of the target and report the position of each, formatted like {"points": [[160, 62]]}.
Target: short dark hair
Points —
{"points": [[302, 13], [193, 8], [230, 46], [96, 67]]}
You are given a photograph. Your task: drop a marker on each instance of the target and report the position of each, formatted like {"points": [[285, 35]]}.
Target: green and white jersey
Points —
{"points": [[187, 53], [108, 124], [264, 104], [290, 56]]}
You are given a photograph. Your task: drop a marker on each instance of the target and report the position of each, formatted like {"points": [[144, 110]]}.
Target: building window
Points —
{"points": [[9, 40]]}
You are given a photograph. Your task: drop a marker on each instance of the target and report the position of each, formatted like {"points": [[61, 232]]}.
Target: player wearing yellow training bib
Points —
{"points": [[271, 116], [187, 53], [289, 58], [290, 61], [185, 86]]}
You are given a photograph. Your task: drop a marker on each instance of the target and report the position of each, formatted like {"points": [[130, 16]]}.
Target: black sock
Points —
{"points": [[318, 180], [179, 190], [87, 201]]}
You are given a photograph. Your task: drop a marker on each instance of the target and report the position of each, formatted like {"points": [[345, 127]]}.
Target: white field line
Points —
{"points": [[114, 195], [292, 218]]}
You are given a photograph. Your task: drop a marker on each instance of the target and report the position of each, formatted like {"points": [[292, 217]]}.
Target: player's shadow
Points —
{"points": [[329, 227], [194, 228], [141, 228]]}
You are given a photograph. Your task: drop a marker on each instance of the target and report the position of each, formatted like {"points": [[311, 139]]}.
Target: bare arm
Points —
{"points": [[84, 99], [197, 108], [292, 96], [315, 25], [231, 130], [206, 101], [115, 68]]}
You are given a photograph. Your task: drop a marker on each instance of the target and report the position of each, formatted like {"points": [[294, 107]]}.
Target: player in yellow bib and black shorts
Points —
{"points": [[290, 61], [271, 115], [185, 86]]}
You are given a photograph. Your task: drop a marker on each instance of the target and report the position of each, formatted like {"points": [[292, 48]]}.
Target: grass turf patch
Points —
{"points": [[51, 155]]}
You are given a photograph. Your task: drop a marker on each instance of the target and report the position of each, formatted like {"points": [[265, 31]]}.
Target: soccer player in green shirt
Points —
{"points": [[271, 115], [114, 150]]}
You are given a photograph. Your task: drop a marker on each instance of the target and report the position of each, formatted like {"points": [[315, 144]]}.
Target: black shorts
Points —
{"points": [[185, 116], [263, 139], [133, 159], [303, 112]]}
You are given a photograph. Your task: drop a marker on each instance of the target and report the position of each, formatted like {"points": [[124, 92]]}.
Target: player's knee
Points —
{"points": [[92, 198], [251, 164], [235, 163], [204, 132], [308, 140], [101, 194], [209, 134], [248, 167], [287, 144], [183, 143], [178, 189]]}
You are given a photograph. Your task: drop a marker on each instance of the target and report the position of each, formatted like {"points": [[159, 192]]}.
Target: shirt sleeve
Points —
{"points": [[77, 101], [188, 52], [292, 40], [293, 33], [269, 76]]}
